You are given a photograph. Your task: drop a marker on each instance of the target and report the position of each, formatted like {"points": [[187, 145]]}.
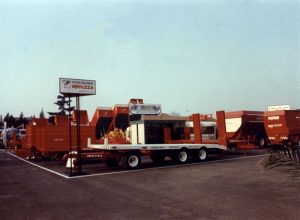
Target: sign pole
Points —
{"points": [[79, 168], [70, 135], [76, 88]]}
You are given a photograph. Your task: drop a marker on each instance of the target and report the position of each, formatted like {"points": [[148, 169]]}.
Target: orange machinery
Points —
{"points": [[245, 129], [283, 127], [240, 130], [107, 120], [53, 140]]}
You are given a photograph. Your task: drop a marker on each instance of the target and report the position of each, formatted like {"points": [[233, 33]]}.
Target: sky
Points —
{"points": [[189, 56]]}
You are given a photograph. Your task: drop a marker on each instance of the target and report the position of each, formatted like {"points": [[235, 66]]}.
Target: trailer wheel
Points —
{"points": [[181, 156], [131, 160], [261, 142], [202, 155], [158, 157]]}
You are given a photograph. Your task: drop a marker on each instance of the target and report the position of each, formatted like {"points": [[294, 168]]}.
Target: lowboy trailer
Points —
{"points": [[129, 155]]}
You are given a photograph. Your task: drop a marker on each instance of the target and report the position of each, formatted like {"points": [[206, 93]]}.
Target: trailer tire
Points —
{"points": [[131, 160], [181, 156], [261, 142], [157, 156], [202, 154]]}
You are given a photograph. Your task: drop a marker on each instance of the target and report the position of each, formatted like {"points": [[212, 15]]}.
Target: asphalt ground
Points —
{"points": [[234, 188]]}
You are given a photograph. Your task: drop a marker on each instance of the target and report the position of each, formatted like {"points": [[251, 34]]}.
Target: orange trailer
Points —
{"points": [[283, 127], [53, 140], [245, 129]]}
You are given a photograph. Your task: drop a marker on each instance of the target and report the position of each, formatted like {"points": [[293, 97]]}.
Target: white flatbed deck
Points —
{"points": [[154, 146]]}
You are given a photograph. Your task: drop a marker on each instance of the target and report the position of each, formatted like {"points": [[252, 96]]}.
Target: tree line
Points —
{"points": [[64, 107], [11, 121]]}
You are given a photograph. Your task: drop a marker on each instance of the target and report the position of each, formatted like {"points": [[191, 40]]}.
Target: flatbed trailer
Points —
{"points": [[129, 155]]}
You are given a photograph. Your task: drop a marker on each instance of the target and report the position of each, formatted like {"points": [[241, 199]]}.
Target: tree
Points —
{"points": [[10, 120], [1, 122], [6, 118], [42, 114], [64, 105], [25, 122], [20, 120]]}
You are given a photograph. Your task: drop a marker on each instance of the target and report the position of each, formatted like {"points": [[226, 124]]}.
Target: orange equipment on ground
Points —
{"points": [[283, 127], [53, 140]]}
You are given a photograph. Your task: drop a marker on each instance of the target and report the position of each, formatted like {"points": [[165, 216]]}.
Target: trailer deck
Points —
{"points": [[111, 147]]}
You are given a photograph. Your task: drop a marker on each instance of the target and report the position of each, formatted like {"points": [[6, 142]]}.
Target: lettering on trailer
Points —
{"points": [[273, 118], [158, 147], [94, 156], [275, 126], [144, 109], [77, 86], [58, 139]]}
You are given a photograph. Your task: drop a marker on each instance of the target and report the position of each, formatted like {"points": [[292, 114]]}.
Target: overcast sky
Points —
{"points": [[188, 56]]}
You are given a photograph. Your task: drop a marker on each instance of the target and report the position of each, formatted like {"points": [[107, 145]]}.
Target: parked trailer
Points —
{"points": [[245, 129], [129, 155], [53, 140], [283, 129]]}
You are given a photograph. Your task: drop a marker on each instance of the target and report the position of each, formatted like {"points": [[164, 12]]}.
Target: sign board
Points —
{"points": [[279, 107], [144, 109], [77, 87]]}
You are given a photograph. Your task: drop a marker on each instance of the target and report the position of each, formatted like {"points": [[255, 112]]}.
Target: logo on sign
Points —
{"points": [[77, 86], [144, 109]]}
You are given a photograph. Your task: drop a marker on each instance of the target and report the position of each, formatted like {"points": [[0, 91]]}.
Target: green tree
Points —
{"points": [[6, 118], [10, 120], [64, 105], [42, 114], [20, 120]]}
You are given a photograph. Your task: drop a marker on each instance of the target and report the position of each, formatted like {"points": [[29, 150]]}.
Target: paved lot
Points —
{"points": [[231, 189]]}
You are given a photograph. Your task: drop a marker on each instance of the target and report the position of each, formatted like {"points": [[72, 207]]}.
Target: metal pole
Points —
{"points": [[70, 136], [78, 136]]}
